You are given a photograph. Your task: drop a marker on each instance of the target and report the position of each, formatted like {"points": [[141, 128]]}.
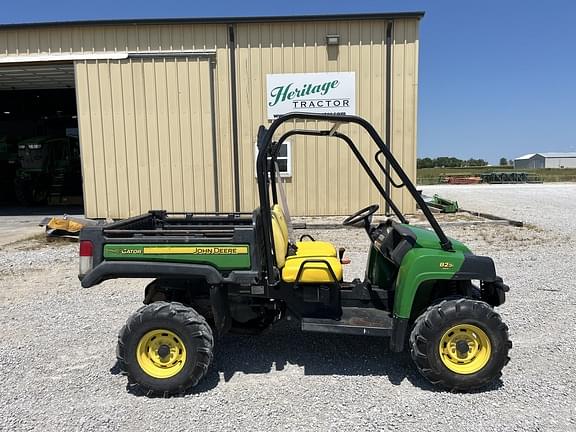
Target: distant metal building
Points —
{"points": [[546, 160], [168, 110]]}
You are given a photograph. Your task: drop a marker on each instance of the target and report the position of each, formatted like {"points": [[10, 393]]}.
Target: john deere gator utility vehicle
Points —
{"points": [[242, 272]]}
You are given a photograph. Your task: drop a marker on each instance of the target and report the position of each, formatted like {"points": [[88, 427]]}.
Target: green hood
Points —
{"points": [[426, 238]]}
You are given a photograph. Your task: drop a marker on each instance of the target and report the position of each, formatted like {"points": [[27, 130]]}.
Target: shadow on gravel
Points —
{"points": [[319, 354]]}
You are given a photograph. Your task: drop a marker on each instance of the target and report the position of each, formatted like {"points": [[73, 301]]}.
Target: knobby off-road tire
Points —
{"points": [[165, 348], [452, 323]]}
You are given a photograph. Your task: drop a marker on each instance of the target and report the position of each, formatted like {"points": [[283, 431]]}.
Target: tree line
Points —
{"points": [[449, 162]]}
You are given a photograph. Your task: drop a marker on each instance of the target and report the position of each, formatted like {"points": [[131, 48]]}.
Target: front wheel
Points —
{"points": [[165, 348], [461, 345]]}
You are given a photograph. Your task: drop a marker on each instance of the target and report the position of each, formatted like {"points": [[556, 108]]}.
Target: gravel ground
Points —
{"points": [[550, 205], [58, 363]]}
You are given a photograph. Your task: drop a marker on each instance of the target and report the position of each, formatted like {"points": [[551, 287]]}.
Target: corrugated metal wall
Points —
{"points": [[131, 136], [405, 103], [146, 145], [536, 161], [327, 179], [145, 128], [560, 162]]}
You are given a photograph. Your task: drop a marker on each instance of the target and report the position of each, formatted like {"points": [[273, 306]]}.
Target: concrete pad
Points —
{"points": [[16, 225], [15, 228]]}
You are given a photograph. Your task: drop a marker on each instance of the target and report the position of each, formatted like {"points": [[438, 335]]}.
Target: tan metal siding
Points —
{"points": [[145, 128], [111, 116], [405, 103], [326, 177], [128, 109], [111, 38]]}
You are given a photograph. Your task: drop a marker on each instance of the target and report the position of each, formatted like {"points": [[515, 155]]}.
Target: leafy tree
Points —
{"points": [[473, 162], [449, 162], [425, 163], [503, 161]]}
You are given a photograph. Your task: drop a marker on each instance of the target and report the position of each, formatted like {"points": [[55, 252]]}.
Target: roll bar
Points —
{"points": [[269, 148]]}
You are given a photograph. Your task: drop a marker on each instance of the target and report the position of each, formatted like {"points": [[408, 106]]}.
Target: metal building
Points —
{"points": [[168, 110], [546, 160]]}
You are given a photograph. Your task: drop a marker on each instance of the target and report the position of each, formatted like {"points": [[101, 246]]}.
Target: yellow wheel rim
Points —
{"points": [[161, 353], [465, 349]]}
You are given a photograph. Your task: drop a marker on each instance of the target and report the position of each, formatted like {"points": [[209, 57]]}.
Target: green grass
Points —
{"points": [[433, 175]]}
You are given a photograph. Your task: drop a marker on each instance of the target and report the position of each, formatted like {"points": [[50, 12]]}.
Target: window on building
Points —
{"points": [[284, 159]]}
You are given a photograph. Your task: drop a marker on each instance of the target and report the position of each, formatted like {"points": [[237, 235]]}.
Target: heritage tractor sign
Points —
{"points": [[320, 93]]}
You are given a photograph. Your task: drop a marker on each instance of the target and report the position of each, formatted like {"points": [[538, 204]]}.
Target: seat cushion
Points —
{"points": [[315, 248], [313, 272]]}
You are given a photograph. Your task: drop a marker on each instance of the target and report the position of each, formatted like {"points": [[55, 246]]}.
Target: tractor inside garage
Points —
{"points": [[39, 146]]}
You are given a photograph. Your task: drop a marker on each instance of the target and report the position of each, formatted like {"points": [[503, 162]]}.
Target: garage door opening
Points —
{"points": [[39, 146]]}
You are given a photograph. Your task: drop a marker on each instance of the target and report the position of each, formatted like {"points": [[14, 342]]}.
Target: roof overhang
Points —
{"points": [[38, 76], [224, 20]]}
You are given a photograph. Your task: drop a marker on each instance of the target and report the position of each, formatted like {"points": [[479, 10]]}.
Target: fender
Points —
{"points": [[476, 267], [127, 269], [421, 265]]}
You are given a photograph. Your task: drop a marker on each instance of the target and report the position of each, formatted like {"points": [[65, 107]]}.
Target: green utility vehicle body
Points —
{"points": [[410, 283], [425, 262], [242, 272]]}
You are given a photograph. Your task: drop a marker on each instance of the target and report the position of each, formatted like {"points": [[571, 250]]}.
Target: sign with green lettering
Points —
{"points": [[319, 93]]}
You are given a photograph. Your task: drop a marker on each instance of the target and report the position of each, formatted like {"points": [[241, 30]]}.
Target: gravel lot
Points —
{"points": [[550, 205], [58, 363]]}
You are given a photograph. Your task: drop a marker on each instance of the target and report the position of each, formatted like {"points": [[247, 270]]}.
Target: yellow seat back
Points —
{"points": [[278, 213], [280, 242]]}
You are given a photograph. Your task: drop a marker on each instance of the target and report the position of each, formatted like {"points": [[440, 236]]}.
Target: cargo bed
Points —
{"points": [[162, 223], [214, 246]]}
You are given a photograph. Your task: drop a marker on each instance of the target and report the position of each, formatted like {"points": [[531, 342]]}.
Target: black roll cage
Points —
{"points": [[266, 175]]}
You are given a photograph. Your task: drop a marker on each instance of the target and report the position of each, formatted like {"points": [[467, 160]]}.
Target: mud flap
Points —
{"points": [[494, 293], [399, 334], [220, 309]]}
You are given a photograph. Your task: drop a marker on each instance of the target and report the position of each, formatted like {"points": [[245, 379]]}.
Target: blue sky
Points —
{"points": [[497, 78]]}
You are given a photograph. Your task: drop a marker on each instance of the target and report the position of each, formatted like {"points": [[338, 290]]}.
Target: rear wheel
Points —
{"points": [[460, 344], [165, 348]]}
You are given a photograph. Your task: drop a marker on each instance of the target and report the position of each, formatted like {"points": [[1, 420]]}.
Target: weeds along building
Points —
{"points": [[167, 111]]}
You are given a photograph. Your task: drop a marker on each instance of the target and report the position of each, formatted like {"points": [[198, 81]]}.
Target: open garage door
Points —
{"points": [[146, 127], [39, 149]]}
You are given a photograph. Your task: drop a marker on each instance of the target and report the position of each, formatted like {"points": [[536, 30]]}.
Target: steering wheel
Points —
{"points": [[361, 215]]}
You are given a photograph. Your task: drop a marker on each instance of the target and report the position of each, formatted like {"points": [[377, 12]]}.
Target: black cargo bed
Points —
{"points": [[163, 223]]}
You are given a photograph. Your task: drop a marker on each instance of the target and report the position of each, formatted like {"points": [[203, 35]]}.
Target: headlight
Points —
{"points": [[34, 146]]}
